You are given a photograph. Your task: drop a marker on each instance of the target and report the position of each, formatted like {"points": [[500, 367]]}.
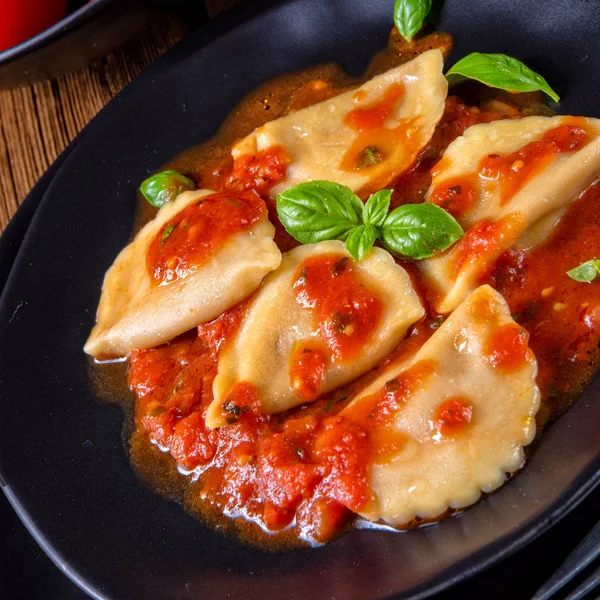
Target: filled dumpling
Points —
{"points": [[507, 183], [318, 321], [362, 138], [202, 254], [450, 422]]}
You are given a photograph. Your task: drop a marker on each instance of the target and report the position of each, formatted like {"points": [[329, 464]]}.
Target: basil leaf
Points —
{"points": [[419, 230], [499, 71], [376, 209], [360, 240], [165, 187], [319, 210], [409, 16], [585, 272]]}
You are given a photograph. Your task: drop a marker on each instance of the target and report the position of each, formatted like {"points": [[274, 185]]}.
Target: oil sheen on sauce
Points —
{"points": [[559, 315]]}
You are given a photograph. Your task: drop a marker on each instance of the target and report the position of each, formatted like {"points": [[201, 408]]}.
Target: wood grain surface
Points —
{"points": [[37, 122]]}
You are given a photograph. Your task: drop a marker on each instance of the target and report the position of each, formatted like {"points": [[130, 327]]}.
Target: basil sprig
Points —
{"points": [[409, 16], [499, 71], [585, 272], [322, 210], [165, 187]]}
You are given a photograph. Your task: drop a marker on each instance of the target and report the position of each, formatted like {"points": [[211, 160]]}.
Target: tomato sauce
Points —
{"points": [[561, 315], [259, 172], [376, 413], [375, 142], [452, 416], [508, 348], [510, 172], [191, 238], [513, 171], [482, 242], [455, 196], [374, 116], [307, 370], [346, 311], [304, 473], [270, 470]]}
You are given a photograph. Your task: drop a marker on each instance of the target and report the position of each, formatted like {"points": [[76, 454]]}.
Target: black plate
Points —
{"points": [[61, 458]]}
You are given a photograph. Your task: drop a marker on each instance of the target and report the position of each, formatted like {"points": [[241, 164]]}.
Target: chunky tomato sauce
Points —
{"points": [[259, 172], [484, 240], [452, 416], [189, 239], [346, 311], [456, 195], [561, 316], [307, 370], [508, 348], [304, 473], [309, 468]]}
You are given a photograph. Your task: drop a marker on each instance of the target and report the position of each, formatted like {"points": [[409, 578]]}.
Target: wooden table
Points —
{"points": [[38, 122]]}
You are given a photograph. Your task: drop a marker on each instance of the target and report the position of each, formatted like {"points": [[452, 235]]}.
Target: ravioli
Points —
{"points": [[371, 305], [507, 183], [362, 138], [462, 409], [138, 311]]}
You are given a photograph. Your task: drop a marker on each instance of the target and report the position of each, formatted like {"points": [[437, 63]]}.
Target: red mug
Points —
{"points": [[23, 19]]}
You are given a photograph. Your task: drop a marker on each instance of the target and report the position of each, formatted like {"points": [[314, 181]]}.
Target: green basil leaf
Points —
{"points": [[319, 210], [585, 272], [361, 238], [409, 16], [499, 71], [419, 230], [376, 209], [165, 187]]}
